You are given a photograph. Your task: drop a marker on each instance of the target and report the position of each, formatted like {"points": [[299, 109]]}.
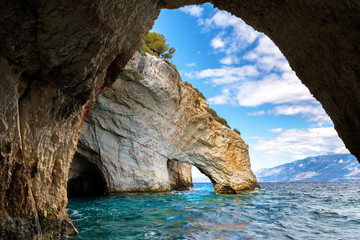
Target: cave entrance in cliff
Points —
{"points": [[245, 77], [85, 179]]}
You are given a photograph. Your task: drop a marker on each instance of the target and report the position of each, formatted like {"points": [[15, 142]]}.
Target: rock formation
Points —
{"points": [[56, 56], [149, 116], [180, 175], [126, 167]]}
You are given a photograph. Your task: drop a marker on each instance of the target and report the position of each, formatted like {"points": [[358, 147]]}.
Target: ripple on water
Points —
{"points": [[277, 211]]}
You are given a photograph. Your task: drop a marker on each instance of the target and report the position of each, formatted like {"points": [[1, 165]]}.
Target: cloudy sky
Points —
{"points": [[247, 80]]}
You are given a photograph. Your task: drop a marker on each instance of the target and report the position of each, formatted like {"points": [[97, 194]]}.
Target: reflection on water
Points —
{"points": [[277, 211]]}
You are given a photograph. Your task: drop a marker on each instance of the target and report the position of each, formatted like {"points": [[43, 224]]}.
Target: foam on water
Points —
{"points": [[277, 211]]}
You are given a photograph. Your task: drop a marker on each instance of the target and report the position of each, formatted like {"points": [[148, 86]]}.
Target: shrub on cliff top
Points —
{"points": [[216, 117], [155, 44], [196, 90], [237, 131]]}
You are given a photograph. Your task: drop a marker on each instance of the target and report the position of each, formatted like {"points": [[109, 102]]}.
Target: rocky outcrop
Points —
{"points": [[127, 167], [56, 56], [149, 116]]}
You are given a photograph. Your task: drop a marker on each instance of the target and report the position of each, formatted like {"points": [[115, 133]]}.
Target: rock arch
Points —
{"points": [[149, 120], [56, 57]]}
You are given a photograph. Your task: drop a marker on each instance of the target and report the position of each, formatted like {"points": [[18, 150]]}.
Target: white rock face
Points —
{"points": [[149, 116]]}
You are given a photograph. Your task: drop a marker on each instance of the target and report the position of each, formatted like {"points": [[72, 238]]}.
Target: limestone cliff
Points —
{"points": [[149, 116], [125, 167], [56, 56]]}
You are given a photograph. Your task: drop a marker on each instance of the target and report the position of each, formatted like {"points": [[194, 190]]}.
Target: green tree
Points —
{"points": [[155, 44]]}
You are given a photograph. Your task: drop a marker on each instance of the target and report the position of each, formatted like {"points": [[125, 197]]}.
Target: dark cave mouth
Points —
{"points": [[85, 179], [87, 184]]}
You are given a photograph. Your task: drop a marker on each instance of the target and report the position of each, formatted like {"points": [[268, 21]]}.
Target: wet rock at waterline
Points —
{"points": [[149, 116]]}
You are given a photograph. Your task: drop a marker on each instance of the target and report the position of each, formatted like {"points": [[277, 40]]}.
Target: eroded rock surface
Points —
{"points": [[106, 165], [149, 116], [180, 175], [56, 56]]}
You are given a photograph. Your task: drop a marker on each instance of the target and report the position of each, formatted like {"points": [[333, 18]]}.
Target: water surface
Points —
{"points": [[277, 211]]}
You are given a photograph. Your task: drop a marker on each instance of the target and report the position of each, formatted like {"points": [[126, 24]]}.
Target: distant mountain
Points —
{"points": [[328, 168]]}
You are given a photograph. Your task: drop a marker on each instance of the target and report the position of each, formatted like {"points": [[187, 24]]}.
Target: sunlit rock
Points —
{"points": [[149, 116]]}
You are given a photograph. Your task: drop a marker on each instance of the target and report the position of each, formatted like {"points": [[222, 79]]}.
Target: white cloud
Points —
{"points": [[228, 60], [275, 82], [221, 99], [257, 113], [239, 34], [217, 43], [241, 31], [225, 75], [274, 89], [191, 64], [312, 141], [195, 11], [267, 56], [313, 112], [276, 130], [265, 76]]}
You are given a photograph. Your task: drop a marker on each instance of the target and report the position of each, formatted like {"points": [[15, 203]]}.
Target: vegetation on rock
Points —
{"points": [[237, 131], [155, 44], [216, 117], [196, 90]]}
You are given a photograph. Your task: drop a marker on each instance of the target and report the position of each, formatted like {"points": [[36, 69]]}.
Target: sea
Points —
{"points": [[276, 211]]}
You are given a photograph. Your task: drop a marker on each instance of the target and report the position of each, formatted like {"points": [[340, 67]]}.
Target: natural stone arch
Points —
{"points": [[56, 57], [149, 116]]}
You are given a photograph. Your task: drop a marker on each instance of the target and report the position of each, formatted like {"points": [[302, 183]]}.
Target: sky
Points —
{"points": [[247, 80]]}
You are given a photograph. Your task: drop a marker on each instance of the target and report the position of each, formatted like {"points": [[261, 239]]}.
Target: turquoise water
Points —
{"points": [[277, 211]]}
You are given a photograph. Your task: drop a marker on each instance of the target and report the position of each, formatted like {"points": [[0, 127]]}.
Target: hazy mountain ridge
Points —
{"points": [[327, 168]]}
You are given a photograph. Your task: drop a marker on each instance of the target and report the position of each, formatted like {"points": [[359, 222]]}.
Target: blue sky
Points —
{"points": [[247, 80]]}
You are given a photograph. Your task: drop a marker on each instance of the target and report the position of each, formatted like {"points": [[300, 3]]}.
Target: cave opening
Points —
{"points": [[183, 175], [199, 176], [248, 81], [85, 179]]}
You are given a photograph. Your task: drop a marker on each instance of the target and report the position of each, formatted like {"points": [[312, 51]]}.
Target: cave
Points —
{"points": [[49, 80], [85, 179]]}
